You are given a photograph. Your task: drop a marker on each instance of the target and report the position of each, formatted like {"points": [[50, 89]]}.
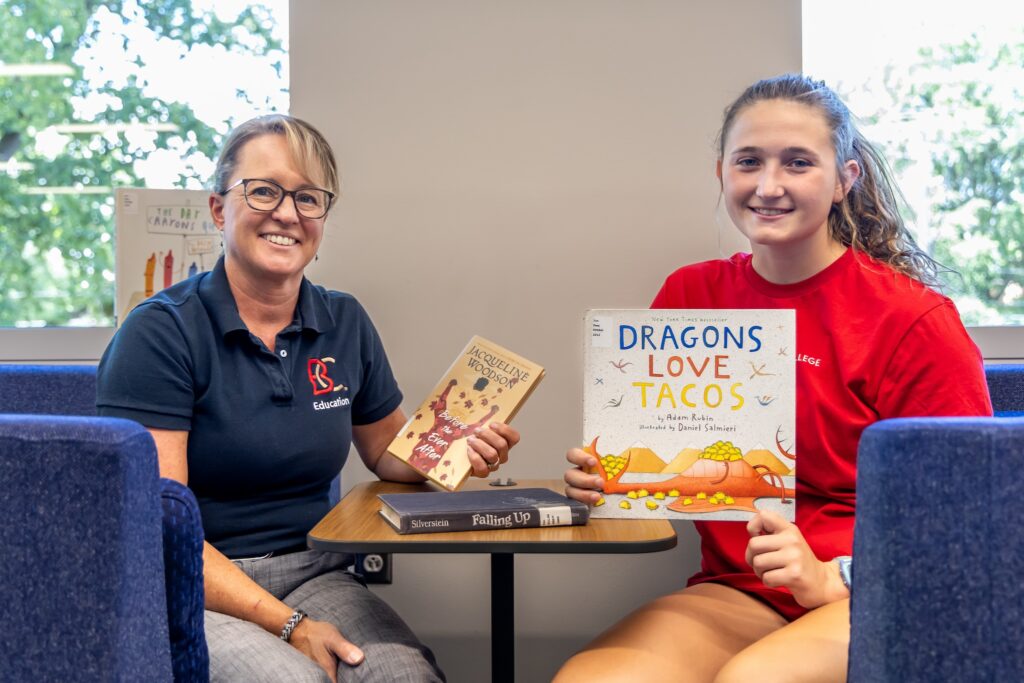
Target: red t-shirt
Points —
{"points": [[871, 344]]}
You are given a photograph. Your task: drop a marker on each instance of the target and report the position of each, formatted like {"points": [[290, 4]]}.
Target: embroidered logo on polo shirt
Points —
{"points": [[322, 383]]}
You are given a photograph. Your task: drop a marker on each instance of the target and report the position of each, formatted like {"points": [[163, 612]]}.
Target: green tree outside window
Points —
{"points": [[96, 120], [974, 94], [942, 93]]}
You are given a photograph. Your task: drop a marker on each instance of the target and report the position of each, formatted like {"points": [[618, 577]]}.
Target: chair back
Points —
{"points": [[48, 389], [1006, 386]]}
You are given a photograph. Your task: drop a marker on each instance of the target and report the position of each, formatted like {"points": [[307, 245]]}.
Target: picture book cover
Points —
{"points": [[691, 413], [486, 382], [418, 513]]}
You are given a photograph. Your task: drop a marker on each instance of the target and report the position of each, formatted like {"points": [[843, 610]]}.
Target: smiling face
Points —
{"points": [[779, 181], [266, 246]]}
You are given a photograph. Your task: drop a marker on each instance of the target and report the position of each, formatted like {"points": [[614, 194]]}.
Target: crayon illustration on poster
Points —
{"points": [[163, 237], [691, 413]]}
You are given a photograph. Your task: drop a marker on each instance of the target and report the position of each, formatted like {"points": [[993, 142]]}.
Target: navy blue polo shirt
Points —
{"points": [[268, 431]]}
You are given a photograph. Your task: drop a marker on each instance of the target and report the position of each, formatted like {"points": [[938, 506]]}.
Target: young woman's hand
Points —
{"points": [[489, 447], [779, 555], [321, 642], [580, 485]]}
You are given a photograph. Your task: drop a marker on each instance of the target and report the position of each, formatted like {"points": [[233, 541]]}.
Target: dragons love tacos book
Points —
{"points": [[691, 413], [486, 382]]}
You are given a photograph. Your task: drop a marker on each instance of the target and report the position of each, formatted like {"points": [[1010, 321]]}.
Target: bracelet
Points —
{"points": [[293, 621]]}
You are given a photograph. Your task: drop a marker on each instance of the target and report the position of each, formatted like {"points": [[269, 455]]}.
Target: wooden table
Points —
{"points": [[354, 526]]}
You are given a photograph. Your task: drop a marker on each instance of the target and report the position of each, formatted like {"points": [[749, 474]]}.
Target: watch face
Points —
{"points": [[846, 571]]}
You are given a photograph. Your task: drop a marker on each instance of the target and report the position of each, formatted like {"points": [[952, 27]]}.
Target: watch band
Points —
{"points": [[845, 564], [289, 626]]}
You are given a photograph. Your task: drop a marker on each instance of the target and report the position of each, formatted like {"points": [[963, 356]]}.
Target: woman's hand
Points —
{"points": [[322, 643], [489, 447], [580, 485], [779, 555]]}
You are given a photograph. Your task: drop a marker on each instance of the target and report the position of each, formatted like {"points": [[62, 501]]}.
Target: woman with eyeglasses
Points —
{"points": [[254, 382]]}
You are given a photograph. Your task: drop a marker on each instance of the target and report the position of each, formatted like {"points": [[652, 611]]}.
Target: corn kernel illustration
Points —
{"points": [[642, 493], [659, 495], [701, 495], [729, 500], [713, 501], [632, 494], [674, 493], [722, 451], [612, 465], [600, 502], [625, 505], [651, 505], [687, 501]]}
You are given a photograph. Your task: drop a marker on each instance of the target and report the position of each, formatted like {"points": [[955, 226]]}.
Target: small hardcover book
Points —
{"points": [[420, 513], [691, 414], [485, 383]]}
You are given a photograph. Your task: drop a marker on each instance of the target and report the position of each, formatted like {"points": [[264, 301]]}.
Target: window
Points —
{"points": [[100, 95], [942, 93]]}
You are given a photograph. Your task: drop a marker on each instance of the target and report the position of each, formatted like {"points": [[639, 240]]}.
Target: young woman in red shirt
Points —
{"points": [[874, 341]]}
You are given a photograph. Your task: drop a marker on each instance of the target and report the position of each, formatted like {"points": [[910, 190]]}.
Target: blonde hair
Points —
{"points": [[868, 217], [309, 149]]}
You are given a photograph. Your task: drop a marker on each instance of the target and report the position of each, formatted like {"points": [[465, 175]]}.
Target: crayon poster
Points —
{"points": [[163, 237], [691, 413]]}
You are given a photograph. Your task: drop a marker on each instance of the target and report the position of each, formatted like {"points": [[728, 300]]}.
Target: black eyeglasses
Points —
{"points": [[266, 195]]}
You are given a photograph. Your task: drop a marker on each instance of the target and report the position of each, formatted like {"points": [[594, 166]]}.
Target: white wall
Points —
{"points": [[505, 166]]}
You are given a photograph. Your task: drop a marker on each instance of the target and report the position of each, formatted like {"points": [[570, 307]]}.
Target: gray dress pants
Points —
{"points": [[315, 583]]}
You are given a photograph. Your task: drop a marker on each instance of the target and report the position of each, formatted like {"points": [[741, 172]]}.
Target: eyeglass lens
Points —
{"points": [[264, 195]]}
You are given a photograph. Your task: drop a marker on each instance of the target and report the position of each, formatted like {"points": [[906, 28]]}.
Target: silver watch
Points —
{"points": [[845, 564]]}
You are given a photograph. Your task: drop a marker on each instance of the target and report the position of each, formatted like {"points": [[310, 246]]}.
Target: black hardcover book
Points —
{"points": [[420, 513]]}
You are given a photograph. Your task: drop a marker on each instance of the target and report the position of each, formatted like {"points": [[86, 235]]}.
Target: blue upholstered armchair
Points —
{"points": [[939, 544], [102, 567]]}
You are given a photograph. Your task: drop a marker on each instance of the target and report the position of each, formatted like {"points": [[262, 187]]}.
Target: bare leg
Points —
{"points": [[814, 648], [685, 637]]}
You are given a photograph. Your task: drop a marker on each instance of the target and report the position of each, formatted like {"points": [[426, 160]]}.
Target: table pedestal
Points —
{"points": [[503, 618]]}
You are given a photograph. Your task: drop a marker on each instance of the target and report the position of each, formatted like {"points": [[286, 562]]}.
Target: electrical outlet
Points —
{"points": [[373, 567]]}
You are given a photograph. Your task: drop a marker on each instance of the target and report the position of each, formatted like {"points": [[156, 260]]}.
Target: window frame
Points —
{"points": [[53, 344], [1003, 344]]}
